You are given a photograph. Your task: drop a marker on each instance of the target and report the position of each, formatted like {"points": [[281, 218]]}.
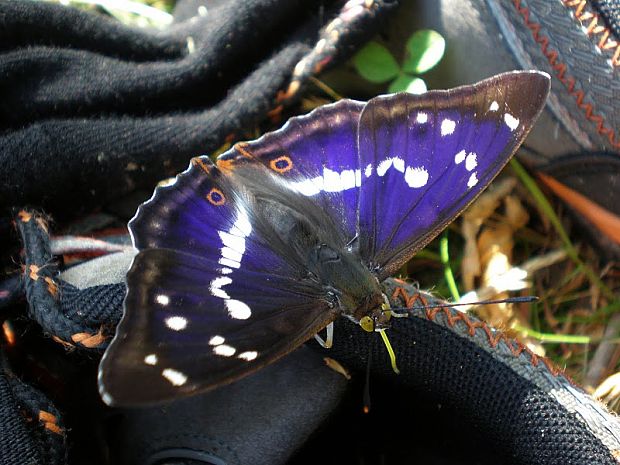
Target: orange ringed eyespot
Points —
{"points": [[216, 197], [281, 164]]}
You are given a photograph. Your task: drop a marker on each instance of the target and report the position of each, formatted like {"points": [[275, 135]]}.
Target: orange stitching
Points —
{"points": [[606, 41], [493, 337], [34, 272], [24, 216], [89, 340], [52, 287], [409, 300], [49, 421], [560, 68], [65, 344]]}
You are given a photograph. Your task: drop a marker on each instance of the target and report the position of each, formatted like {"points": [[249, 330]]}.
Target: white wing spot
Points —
{"points": [[398, 164], [309, 187], [177, 323], [421, 118], [233, 242], [248, 356], [416, 177], [229, 263], [225, 270], [347, 178], [332, 181], [494, 106], [447, 127], [216, 340], [224, 350], [175, 377], [473, 180], [384, 166], [150, 359], [470, 161], [237, 309], [368, 170], [459, 157], [511, 121], [232, 254], [358, 178], [216, 286], [162, 299], [242, 226]]}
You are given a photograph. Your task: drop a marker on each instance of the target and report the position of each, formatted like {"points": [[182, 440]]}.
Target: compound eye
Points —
{"points": [[367, 324]]}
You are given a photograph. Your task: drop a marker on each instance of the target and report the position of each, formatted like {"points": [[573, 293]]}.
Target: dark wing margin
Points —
{"points": [[425, 158]]}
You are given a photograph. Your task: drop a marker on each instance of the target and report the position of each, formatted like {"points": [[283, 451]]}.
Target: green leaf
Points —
{"points": [[375, 63], [406, 83], [424, 50]]}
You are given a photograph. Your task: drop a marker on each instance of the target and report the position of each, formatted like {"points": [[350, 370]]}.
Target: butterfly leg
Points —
{"points": [[329, 340]]}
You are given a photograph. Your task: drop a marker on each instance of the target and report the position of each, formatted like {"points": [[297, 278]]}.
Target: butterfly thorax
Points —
{"points": [[303, 234], [354, 289]]}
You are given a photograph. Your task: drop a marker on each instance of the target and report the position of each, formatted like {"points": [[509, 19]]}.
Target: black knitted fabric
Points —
{"points": [[16, 444], [91, 110], [610, 11], [24, 439]]}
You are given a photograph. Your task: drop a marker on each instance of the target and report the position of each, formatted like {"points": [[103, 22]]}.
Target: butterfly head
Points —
{"points": [[378, 320]]}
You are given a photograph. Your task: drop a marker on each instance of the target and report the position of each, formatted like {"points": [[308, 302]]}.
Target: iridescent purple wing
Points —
{"points": [[425, 158], [198, 214], [187, 327], [209, 300], [316, 154]]}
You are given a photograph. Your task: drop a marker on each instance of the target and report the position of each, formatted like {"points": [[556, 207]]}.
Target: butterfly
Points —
{"points": [[243, 260]]}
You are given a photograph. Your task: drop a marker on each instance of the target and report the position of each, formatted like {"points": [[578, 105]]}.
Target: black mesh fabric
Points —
{"points": [[31, 429], [610, 11], [519, 419], [92, 306]]}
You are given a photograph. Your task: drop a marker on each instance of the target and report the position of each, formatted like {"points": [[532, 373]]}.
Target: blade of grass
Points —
{"points": [[547, 210], [325, 88], [447, 270], [547, 337]]}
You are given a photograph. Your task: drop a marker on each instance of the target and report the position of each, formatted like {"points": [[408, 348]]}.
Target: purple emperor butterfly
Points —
{"points": [[242, 261]]}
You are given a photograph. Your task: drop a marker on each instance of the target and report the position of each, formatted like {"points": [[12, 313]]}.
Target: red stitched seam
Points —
{"points": [[560, 69], [591, 21], [494, 337]]}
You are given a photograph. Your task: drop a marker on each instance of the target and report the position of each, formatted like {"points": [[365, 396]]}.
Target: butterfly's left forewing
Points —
{"points": [[424, 158]]}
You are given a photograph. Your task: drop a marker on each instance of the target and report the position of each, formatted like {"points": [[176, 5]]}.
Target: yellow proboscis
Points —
{"points": [[391, 353]]}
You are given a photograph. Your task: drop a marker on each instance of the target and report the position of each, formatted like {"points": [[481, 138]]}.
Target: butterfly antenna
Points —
{"points": [[509, 300]]}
